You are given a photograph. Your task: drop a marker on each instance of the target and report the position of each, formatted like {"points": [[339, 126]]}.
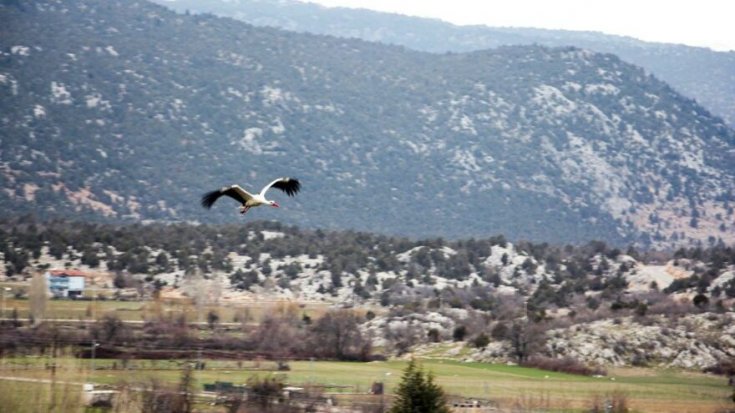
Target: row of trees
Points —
{"points": [[160, 247], [283, 333]]}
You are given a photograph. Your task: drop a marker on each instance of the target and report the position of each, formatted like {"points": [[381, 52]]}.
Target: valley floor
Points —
{"points": [[507, 388]]}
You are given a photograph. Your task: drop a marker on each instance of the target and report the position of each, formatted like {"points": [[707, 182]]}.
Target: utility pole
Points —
{"points": [[94, 352], [200, 309], [2, 313], [94, 304]]}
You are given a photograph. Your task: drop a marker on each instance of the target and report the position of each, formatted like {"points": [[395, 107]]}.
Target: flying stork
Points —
{"points": [[247, 200]]}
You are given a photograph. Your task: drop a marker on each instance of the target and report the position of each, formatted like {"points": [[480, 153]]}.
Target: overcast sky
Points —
{"points": [[707, 23]]}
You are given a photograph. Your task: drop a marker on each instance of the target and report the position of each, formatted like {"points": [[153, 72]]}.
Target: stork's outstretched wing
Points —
{"points": [[291, 186], [234, 191]]}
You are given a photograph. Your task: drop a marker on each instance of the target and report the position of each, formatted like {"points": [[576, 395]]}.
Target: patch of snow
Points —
{"points": [[573, 86], [272, 234], [406, 255], [20, 50], [644, 275], [429, 113], [39, 112], [278, 128], [693, 159], [602, 89], [93, 101], [29, 192], [274, 95], [178, 104], [465, 160], [553, 100], [111, 50], [59, 94], [466, 124], [250, 142], [722, 280]]}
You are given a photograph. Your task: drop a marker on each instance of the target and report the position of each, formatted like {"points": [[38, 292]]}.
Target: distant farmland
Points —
{"points": [[646, 390]]}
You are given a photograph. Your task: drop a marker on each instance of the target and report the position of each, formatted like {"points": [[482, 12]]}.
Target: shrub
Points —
{"points": [[722, 367], [434, 335], [265, 392], [616, 402], [481, 341], [563, 365], [459, 333], [499, 331], [157, 397]]}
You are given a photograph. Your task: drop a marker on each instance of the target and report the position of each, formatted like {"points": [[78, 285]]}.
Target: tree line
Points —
{"points": [[152, 249]]}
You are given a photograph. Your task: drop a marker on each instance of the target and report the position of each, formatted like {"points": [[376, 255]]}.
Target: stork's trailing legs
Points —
{"points": [[244, 209]]}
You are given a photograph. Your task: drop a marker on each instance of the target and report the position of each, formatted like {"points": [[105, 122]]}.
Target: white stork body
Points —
{"points": [[247, 200]]}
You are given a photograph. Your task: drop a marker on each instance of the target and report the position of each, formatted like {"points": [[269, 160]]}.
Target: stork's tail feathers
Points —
{"points": [[210, 198]]}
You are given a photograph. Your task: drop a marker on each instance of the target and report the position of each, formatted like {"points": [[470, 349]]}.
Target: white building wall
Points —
{"points": [[76, 283]]}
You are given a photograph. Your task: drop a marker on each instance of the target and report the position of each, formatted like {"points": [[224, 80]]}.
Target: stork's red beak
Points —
{"points": [[275, 205]]}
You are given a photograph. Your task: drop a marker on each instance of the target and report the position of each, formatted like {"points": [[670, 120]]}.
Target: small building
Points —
{"points": [[223, 387], [66, 283], [474, 406], [97, 398]]}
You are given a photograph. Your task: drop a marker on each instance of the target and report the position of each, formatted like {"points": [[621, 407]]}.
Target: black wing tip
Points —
{"points": [[291, 186], [210, 198]]}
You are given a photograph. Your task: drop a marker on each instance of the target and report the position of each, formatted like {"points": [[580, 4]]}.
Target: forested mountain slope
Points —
{"points": [[124, 110], [701, 73]]}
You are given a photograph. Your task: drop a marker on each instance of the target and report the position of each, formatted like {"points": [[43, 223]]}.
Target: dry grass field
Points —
{"points": [[29, 381], [136, 311]]}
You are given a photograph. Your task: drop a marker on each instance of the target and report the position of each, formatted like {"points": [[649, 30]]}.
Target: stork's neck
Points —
{"points": [[259, 200]]}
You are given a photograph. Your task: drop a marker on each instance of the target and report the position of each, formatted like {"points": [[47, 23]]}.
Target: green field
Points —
{"points": [[525, 389], [646, 390]]}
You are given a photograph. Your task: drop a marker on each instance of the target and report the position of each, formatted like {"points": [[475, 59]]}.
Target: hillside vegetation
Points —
{"points": [[503, 301], [703, 74], [125, 110]]}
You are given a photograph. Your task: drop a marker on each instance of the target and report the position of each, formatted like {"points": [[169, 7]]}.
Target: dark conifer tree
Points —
{"points": [[417, 392]]}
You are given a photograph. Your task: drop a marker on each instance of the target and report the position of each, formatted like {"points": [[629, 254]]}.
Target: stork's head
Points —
{"points": [[273, 204]]}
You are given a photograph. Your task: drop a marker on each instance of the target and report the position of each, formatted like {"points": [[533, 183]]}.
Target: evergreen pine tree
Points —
{"points": [[417, 393]]}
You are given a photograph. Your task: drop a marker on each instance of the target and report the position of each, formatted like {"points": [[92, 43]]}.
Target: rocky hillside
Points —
{"points": [[706, 75], [124, 110], [592, 303], [694, 342]]}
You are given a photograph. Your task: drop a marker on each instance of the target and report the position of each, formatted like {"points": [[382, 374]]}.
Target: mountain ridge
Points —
{"points": [[698, 72], [133, 111]]}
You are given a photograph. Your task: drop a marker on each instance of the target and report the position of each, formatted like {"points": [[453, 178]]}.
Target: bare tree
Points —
{"points": [[280, 335], [38, 296], [337, 335], [204, 293], [403, 336], [265, 392], [111, 330], [526, 338], [212, 319], [196, 288], [186, 390], [159, 397]]}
